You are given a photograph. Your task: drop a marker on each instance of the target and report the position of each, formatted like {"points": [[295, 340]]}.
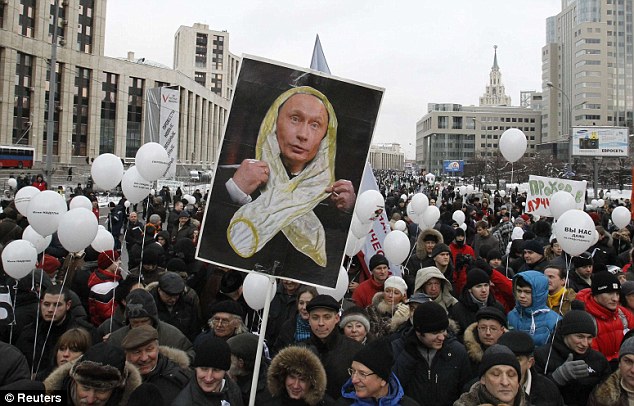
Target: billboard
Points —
{"points": [[453, 166], [599, 141], [162, 115]]}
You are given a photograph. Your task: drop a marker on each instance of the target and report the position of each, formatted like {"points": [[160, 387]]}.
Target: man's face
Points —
{"points": [[182, 220], [524, 296], [429, 246], [133, 217], [323, 322], [626, 367], [433, 340], [495, 262], [489, 331], [54, 308], [481, 291], [296, 386], [584, 271], [526, 363], [302, 123], [555, 283], [178, 206], [502, 382], [609, 300], [167, 298], [380, 273], [209, 379], [482, 232], [367, 384], [290, 287], [442, 259], [84, 395], [144, 357], [140, 321], [237, 367], [578, 342], [432, 288], [224, 324], [532, 257]]}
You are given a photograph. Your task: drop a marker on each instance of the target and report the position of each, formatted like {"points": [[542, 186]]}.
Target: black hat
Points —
{"points": [[627, 288], [476, 276], [439, 249], [499, 355], [176, 265], [231, 281], [377, 356], [430, 237], [578, 321], [228, 306], [150, 257], [244, 346], [605, 282], [171, 283], [323, 302], [183, 214], [430, 317], [520, 342], [533, 245], [378, 259], [584, 259], [491, 313], [146, 394], [493, 254], [140, 303], [212, 352], [458, 232], [101, 367]]}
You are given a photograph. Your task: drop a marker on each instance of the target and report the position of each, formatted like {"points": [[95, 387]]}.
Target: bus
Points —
{"points": [[16, 156]]}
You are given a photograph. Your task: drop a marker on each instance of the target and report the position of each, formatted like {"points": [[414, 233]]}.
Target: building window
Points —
{"points": [[457, 123], [201, 50], [216, 83], [22, 105], [80, 111], [200, 78], [135, 116], [61, 22], [58, 81], [26, 19], [442, 122], [162, 84], [218, 51], [2, 14], [85, 26], [108, 112]]}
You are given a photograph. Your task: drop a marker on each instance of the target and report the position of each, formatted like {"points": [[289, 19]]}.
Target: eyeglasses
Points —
{"points": [[484, 329], [220, 322], [361, 375]]}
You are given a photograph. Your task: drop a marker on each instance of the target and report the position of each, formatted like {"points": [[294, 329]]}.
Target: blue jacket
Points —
{"points": [[538, 319], [395, 395]]}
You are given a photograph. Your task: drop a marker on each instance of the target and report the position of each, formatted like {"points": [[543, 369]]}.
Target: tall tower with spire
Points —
{"points": [[495, 95]]}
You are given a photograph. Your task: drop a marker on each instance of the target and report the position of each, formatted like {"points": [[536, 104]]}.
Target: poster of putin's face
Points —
{"points": [[291, 160]]}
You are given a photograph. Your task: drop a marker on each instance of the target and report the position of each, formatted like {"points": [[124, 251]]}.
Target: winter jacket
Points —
{"points": [[610, 325], [14, 366], [445, 299], [465, 310], [420, 259], [192, 395], [564, 307], [574, 392], [384, 318], [576, 283], [364, 293], [502, 289], [394, 397], [168, 336], [171, 373], [101, 303], [479, 395], [482, 245], [537, 319], [475, 349], [441, 382], [184, 315], [283, 307], [543, 391], [460, 273], [609, 392], [186, 231]]}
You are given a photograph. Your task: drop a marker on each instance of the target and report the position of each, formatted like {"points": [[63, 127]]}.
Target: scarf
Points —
{"points": [[302, 329], [555, 300], [287, 204]]}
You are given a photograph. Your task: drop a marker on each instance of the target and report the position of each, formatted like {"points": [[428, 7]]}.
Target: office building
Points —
{"points": [[386, 156]]}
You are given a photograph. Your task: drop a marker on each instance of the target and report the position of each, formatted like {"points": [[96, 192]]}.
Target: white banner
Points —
{"points": [[168, 127], [541, 188]]}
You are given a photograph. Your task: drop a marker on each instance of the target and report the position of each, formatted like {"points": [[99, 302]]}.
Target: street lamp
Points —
{"points": [[551, 85]]}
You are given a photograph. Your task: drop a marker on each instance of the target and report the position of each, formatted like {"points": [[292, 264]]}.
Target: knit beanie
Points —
{"points": [[493, 254], [627, 288], [231, 281], [498, 355], [476, 276], [520, 342], [213, 352], [377, 356], [533, 245], [140, 303], [396, 282], [358, 314], [101, 367], [578, 321], [430, 317], [107, 258], [376, 260], [627, 347], [244, 346], [439, 249], [458, 232], [605, 282], [491, 313]]}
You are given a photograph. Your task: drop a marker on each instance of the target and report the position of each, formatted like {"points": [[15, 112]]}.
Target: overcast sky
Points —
{"points": [[420, 51]]}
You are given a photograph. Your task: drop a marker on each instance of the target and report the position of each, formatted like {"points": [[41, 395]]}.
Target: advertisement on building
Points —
{"points": [[453, 166], [599, 141], [161, 113]]}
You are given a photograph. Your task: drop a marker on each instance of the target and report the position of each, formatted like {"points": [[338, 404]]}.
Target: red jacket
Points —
{"points": [[502, 288], [609, 325], [459, 275], [364, 293], [101, 303]]}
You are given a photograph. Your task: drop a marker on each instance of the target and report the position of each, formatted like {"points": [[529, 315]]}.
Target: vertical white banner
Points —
{"points": [[168, 127]]}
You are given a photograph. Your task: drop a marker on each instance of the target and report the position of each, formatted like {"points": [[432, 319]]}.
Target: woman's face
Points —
{"points": [[302, 301], [65, 354], [393, 296], [557, 249], [355, 330]]}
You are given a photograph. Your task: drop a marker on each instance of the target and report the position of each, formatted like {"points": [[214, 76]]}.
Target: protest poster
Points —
{"points": [[541, 188]]}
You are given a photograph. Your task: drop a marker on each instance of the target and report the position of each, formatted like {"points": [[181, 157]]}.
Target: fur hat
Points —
{"points": [[499, 355], [376, 260], [212, 352], [107, 258], [584, 259], [300, 361], [430, 317], [358, 314], [396, 282], [101, 367]]}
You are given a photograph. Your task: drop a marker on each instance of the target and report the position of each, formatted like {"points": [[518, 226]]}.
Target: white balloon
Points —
{"points": [[458, 216], [45, 210], [595, 237], [404, 197], [594, 202], [340, 289], [396, 247], [352, 242], [80, 201], [608, 195], [152, 161], [135, 187], [254, 290], [536, 218], [191, 199], [463, 190], [370, 205], [104, 241], [12, 182], [152, 192], [502, 193], [575, 231], [400, 225], [470, 189], [19, 258], [431, 215], [561, 202], [359, 229], [40, 243], [126, 204], [77, 229], [513, 144], [463, 226], [409, 210], [419, 203], [23, 198], [621, 217], [107, 171], [600, 203], [100, 227]]}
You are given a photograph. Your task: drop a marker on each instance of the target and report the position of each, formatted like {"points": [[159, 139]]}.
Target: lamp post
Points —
{"points": [[551, 85]]}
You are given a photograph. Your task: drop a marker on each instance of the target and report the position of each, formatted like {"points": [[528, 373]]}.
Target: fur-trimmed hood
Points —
{"points": [[471, 343], [60, 379], [302, 361], [420, 244], [609, 391], [398, 314], [175, 355]]}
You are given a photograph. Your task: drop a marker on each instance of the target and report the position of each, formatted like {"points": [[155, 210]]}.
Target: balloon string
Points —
{"points": [[15, 300], [147, 210], [37, 314]]}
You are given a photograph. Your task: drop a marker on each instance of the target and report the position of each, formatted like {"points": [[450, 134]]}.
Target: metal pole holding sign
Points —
{"points": [[258, 354]]}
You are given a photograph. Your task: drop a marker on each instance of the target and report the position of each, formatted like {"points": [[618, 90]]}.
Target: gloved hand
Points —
{"points": [[402, 311], [570, 370]]}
